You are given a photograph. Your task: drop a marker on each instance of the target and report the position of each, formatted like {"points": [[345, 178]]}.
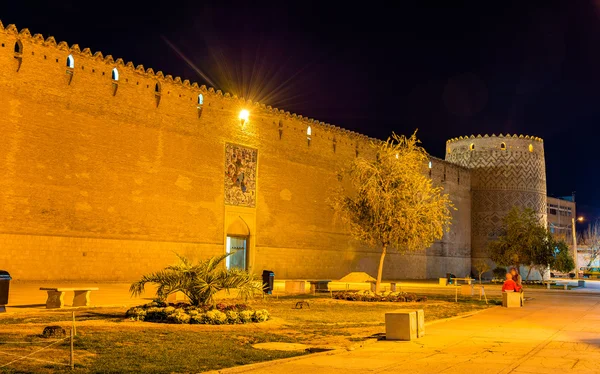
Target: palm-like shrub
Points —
{"points": [[199, 282]]}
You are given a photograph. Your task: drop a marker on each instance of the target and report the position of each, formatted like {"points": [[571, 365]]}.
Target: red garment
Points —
{"points": [[509, 285]]}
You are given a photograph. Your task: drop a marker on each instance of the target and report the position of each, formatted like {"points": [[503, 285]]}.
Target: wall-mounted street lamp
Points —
{"points": [[244, 114]]}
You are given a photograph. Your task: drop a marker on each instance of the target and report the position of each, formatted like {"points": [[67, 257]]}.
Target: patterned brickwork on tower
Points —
{"points": [[506, 171]]}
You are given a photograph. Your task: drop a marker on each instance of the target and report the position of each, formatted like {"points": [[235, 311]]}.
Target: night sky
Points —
{"points": [[447, 68]]}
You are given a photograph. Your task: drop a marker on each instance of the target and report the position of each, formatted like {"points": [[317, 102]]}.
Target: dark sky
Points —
{"points": [[448, 68]]}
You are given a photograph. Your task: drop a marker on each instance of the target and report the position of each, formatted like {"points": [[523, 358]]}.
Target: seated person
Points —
{"points": [[509, 284]]}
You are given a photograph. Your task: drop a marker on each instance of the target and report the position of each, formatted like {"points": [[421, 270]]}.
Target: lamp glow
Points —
{"points": [[244, 114], [580, 219]]}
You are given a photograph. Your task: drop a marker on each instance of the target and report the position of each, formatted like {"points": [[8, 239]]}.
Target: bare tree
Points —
{"points": [[481, 266], [591, 238], [390, 201]]}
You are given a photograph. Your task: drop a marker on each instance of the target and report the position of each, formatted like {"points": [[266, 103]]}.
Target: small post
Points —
{"points": [[72, 361], [456, 294], [74, 328]]}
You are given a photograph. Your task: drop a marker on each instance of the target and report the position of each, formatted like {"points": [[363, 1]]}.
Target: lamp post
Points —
{"points": [[574, 233]]}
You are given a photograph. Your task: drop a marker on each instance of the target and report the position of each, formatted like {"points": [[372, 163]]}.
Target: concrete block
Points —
{"points": [[443, 281], [511, 299], [295, 286], [404, 325], [466, 290]]}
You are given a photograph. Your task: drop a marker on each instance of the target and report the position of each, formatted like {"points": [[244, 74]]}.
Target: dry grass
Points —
{"points": [[108, 343]]}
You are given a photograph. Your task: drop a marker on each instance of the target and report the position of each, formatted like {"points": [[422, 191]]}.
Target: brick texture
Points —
{"points": [[98, 182]]}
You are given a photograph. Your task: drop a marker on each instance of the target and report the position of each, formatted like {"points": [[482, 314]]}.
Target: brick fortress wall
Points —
{"points": [[105, 179]]}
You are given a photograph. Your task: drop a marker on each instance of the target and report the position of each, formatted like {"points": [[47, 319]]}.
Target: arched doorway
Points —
{"points": [[238, 234]]}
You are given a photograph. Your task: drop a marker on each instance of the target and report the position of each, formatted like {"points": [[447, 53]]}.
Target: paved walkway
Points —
{"points": [[556, 332]]}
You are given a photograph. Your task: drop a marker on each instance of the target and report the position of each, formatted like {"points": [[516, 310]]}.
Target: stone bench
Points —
{"points": [[512, 299], [564, 284], [404, 324], [56, 296]]}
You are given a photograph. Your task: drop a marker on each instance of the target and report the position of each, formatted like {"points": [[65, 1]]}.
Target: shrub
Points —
{"points": [[136, 314], [232, 317], [260, 315], [384, 297], [184, 313], [196, 317], [178, 316], [215, 317], [246, 316], [156, 314]]}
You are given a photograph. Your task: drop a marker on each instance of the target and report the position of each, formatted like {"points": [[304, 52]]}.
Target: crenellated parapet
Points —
{"points": [[168, 83]]}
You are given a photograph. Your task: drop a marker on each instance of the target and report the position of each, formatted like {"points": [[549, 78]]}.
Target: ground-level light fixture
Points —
{"points": [[244, 114]]}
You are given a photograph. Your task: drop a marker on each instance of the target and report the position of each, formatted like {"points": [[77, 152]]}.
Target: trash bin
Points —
{"points": [[449, 276], [4, 283], [268, 278]]}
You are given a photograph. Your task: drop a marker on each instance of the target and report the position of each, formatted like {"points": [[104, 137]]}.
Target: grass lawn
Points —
{"points": [[108, 343]]}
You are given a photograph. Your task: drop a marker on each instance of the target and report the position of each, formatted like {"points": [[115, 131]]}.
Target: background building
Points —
{"points": [[561, 211]]}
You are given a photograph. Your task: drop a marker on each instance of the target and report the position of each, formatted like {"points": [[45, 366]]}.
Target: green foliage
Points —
{"points": [[184, 314], [389, 201], [499, 272], [382, 297], [200, 281], [524, 241], [563, 260], [522, 236]]}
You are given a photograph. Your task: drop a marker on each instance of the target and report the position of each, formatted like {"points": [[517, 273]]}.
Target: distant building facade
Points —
{"points": [[561, 212]]}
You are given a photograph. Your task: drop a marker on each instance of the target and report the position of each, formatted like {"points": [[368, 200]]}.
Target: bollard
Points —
{"points": [[72, 337]]}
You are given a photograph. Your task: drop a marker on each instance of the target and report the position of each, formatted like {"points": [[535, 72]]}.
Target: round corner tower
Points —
{"points": [[506, 171]]}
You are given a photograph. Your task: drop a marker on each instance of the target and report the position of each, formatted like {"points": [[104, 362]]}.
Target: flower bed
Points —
{"points": [[182, 313], [382, 297]]}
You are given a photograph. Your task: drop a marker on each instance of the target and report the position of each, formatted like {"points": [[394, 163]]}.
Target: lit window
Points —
{"points": [[430, 164], [200, 99], [503, 146], [308, 132], [70, 62], [115, 74], [530, 147], [471, 147]]}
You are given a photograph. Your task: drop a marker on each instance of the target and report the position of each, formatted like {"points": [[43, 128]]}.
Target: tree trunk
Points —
{"points": [[380, 270]]}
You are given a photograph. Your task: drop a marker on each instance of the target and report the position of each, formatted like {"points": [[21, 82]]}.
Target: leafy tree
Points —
{"points": [[481, 266], [563, 260], [524, 241], [390, 200], [521, 237], [200, 281]]}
